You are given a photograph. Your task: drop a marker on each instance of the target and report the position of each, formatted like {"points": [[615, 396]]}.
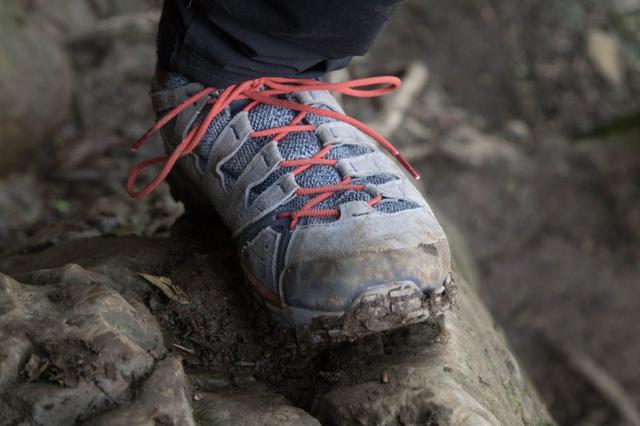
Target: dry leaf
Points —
{"points": [[166, 286]]}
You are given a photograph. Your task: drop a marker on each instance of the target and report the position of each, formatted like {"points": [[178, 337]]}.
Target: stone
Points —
{"points": [[471, 147], [604, 51], [250, 406], [85, 343], [463, 375], [22, 204], [36, 86], [518, 130], [82, 345], [627, 6], [164, 399], [66, 18], [13, 354]]}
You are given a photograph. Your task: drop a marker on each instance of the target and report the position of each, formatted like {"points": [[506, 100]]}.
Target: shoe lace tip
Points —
{"points": [[405, 163]]}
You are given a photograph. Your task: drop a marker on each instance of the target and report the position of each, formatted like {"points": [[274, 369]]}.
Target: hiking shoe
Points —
{"points": [[333, 236]]}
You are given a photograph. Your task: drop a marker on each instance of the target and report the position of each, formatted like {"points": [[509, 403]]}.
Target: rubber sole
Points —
{"points": [[382, 308], [379, 309]]}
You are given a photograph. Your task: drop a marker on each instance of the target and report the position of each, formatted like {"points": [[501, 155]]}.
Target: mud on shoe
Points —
{"points": [[333, 236]]}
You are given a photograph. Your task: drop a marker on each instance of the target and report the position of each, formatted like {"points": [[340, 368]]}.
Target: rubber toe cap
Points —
{"points": [[331, 284]]}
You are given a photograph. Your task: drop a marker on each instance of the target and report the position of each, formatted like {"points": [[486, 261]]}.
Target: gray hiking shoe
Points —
{"points": [[333, 236]]}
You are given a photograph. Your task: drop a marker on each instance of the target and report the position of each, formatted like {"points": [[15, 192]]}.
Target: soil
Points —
{"points": [[529, 150]]}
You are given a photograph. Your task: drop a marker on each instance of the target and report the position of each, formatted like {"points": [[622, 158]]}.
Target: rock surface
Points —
{"points": [[86, 339], [33, 107], [462, 374]]}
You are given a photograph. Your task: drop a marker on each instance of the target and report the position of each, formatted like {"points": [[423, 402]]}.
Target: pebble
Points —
{"points": [[604, 51]]}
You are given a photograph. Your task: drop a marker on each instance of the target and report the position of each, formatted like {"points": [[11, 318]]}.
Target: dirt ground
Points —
{"points": [[527, 135]]}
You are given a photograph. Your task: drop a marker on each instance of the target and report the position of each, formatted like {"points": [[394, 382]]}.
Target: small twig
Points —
{"points": [[602, 381], [337, 76], [184, 348], [608, 387], [417, 152], [167, 287], [397, 104]]}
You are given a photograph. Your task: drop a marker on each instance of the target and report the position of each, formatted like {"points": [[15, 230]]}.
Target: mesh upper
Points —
{"points": [[294, 146]]}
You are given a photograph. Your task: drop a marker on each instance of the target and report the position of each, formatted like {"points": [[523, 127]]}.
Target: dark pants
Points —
{"points": [[220, 42]]}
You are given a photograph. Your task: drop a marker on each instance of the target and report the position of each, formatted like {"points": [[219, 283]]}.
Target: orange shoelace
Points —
{"points": [[266, 91]]}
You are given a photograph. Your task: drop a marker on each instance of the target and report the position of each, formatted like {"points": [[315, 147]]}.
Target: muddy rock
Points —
{"points": [[461, 374], [163, 399], [249, 406], [71, 345], [87, 322]]}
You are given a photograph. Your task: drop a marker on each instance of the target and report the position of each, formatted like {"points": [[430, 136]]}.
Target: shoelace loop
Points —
{"points": [[266, 91]]}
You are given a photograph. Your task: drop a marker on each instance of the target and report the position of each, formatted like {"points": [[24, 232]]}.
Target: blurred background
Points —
{"points": [[523, 117]]}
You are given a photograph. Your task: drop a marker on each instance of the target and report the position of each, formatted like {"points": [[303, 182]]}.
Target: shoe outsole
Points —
{"points": [[379, 309], [382, 308]]}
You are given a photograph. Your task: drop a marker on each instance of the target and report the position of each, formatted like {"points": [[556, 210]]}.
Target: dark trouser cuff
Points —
{"points": [[223, 42]]}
